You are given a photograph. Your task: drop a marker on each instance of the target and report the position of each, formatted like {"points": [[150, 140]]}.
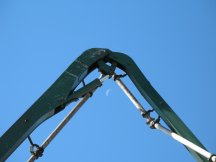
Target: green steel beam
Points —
{"points": [[50, 103], [62, 92], [156, 101]]}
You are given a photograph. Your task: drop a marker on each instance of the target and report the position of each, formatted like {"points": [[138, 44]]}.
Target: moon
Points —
{"points": [[107, 92]]}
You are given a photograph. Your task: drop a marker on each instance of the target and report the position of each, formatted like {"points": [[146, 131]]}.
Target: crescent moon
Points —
{"points": [[107, 92]]}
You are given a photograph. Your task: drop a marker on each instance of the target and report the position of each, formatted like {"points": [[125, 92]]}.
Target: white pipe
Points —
{"points": [[103, 78], [61, 125], [213, 158], [185, 142], [163, 129], [66, 120], [130, 95]]}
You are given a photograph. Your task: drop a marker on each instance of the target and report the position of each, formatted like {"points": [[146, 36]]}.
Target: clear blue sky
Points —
{"points": [[173, 43]]}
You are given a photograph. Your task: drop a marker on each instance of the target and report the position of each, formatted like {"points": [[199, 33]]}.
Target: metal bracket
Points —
{"points": [[88, 88], [106, 69], [35, 149]]}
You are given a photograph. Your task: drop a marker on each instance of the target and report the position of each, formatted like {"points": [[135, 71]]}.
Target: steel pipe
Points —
{"points": [[185, 142], [130, 95], [163, 129], [66, 120]]}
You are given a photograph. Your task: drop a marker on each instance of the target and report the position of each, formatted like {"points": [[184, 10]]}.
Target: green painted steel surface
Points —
{"points": [[62, 93]]}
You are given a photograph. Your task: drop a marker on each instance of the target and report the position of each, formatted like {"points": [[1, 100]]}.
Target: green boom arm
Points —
{"points": [[62, 92]]}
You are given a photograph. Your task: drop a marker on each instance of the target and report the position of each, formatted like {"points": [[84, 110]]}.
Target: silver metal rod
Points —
{"points": [[163, 129], [185, 142], [130, 95], [61, 125], [65, 120], [103, 78]]}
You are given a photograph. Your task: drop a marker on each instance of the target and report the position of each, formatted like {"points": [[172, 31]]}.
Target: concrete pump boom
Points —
{"points": [[62, 93]]}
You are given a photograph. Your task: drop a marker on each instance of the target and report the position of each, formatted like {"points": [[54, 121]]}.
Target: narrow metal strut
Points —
{"points": [[66, 120], [158, 126], [186, 142], [62, 124], [129, 94]]}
